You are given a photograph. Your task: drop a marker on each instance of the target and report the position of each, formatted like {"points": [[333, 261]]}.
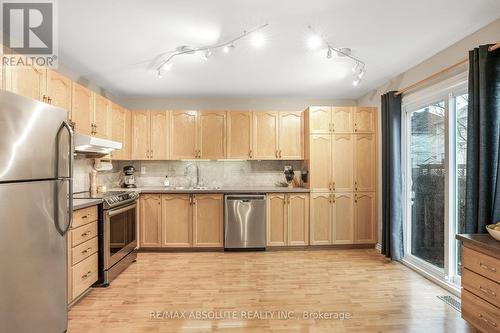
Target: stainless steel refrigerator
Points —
{"points": [[36, 169]]}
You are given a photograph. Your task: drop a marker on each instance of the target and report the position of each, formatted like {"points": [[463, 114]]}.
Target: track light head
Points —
{"points": [[329, 53], [167, 66], [228, 48], [356, 82], [361, 73], [159, 74], [207, 54]]}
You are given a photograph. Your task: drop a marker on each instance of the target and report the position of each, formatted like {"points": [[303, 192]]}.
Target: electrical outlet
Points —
{"points": [[287, 167], [143, 170]]}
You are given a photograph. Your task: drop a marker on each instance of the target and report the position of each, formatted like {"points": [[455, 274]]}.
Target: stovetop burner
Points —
{"points": [[111, 199]]}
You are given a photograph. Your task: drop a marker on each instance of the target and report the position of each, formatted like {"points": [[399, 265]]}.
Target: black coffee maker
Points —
{"points": [[129, 178]]}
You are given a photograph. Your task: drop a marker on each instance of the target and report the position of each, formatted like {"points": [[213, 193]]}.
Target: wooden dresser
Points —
{"points": [[82, 252], [481, 281]]}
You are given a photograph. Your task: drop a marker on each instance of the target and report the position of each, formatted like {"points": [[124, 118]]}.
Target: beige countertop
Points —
{"points": [[223, 189], [84, 203]]}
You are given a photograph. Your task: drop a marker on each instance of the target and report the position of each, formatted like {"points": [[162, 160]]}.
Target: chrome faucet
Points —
{"points": [[197, 173]]}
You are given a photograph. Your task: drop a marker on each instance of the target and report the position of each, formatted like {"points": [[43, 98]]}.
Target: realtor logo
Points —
{"points": [[29, 33]]}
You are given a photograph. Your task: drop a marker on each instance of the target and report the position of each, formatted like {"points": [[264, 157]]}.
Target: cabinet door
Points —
{"points": [[82, 110], [321, 219], [102, 117], [364, 119], [343, 159], [342, 119], [343, 219], [26, 81], [208, 219], [212, 135], [120, 131], [291, 136], [183, 135], [59, 90], [159, 134], [298, 219], [320, 119], [150, 220], [321, 162], [177, 220], [265, 135], [239, 135], [276, 220], [141, 122], [364, 218], [365, 163]]}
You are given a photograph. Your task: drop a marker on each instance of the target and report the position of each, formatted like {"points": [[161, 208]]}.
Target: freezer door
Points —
{"points": [[33, 281], [28, 134]]}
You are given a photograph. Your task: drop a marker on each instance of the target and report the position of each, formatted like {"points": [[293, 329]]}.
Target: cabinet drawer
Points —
{"points": [[481, 286], [481, 264], [481, 314], [83, 233], [84, 274], [84, 250], [84, 216]]}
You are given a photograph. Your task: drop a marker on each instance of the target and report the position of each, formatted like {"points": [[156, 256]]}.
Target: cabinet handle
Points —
{"points": [[355, 185], [86, 250], [487, 291], [330, 186], [44, 99], [355, 127], [355, 198], [86, 233], [280, 154], [333, 185], [86, 274], [84, 217], [333, 127], [49, 100], [486, 320], [276, 154], [151, 153], [483, 266], [250, 153]]}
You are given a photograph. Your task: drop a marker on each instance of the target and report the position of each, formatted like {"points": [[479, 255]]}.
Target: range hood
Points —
{"points": [[92, 146]]}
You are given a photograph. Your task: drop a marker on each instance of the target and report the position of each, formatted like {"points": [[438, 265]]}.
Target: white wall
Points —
{"points": [[262, 103], [487, 35]]}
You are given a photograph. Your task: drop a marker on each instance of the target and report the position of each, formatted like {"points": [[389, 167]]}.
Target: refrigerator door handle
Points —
{"points": [[69, 179]]}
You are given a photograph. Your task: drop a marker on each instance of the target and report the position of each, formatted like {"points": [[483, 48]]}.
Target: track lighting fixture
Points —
{"points": [[359, 68], [166, 64]]}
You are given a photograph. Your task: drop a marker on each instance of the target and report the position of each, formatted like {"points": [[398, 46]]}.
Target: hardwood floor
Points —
{"points": [[379, 296]]}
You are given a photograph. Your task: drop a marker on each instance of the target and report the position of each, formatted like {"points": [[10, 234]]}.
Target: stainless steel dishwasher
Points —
{"points": [[245, 221]]}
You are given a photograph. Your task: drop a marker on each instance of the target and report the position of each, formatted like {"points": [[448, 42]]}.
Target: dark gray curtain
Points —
{"points": [[392, 189], [482, 205]]}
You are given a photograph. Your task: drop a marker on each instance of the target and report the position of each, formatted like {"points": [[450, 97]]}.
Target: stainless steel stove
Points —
{"points": [[117, 232], [111, 199]]}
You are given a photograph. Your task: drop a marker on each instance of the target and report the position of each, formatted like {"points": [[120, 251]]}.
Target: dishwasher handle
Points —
{"points": [[246, 198]]}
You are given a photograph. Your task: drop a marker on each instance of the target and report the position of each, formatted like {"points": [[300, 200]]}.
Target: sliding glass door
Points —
{"points": [[435, 144]]}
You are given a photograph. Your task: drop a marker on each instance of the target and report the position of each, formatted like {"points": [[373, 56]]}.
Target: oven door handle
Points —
{"points": [[113, 212]]}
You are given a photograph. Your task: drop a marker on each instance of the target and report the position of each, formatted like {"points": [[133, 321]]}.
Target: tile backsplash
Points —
{"points": [[212, 173]]}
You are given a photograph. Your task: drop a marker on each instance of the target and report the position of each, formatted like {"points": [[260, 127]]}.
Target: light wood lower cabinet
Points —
{"points": [[287, 219], [343, 218], [150, 220], [82, 259], [182, 220], [208, 218]]}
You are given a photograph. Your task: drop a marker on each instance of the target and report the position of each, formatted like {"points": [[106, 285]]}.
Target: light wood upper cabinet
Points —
{"points": [[265, 135], [364, 218], [184, 135], [276, 220], [150, 220], [121, 131], [364, 162], [321, 219], [160, 125], [342, 119], [29, 81], [239, 135], [212, 135], [298, 219], [321, 162], [102, 117], [141, 134], [58, 90], [82, 111], [208, 217], [342, 162], [291, 135], [343, 219], [364, 119], [177, 221], [320, 118]]}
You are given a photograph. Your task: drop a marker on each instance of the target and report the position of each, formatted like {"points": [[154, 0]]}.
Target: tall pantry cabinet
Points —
{"points": [[342, 157]]}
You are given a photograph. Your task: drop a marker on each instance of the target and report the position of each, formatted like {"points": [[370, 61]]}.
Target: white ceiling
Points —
{"points": [[113, 43]]}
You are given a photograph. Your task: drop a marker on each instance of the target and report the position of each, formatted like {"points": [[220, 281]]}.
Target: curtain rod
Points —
{"points": [[432, 76]]}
